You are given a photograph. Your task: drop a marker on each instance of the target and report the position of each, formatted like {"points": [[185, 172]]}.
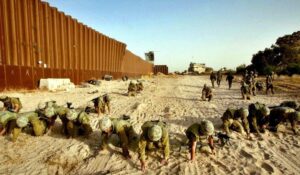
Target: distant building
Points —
{"points": [[197, 68]]}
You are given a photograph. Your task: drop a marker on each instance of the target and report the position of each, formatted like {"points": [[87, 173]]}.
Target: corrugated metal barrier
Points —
{"points": [[161, 68], [38, 41]]}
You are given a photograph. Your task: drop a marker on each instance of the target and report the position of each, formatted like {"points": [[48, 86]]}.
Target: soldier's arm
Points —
{"points": [[254, 124], [246, 125], [166, 146], [103, 141], [211, 144], [142, 151], [3, 131], [123, 138], [226, 126]]}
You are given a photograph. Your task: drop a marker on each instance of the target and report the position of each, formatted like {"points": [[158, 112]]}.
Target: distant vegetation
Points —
{"points": [[282, 58]]}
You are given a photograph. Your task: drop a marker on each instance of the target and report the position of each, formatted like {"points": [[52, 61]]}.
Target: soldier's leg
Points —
{"points": [[86, 129], [272, 89], [16, 132], [293, 124], [209, 97], [254, 90], [39, 127]]}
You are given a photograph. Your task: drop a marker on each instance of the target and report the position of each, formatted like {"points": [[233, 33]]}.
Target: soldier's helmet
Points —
{"points": [[3, 97], [41, 105], [105, 124], [207, 127], [90, 104], [49, 112], [243, 112], [72, 114], [22, 121], [155, 133], [265, 111], [106, 98], [204, 86]]}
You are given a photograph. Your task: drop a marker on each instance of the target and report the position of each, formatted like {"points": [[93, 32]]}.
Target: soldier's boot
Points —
{"points": [[248, 97]]}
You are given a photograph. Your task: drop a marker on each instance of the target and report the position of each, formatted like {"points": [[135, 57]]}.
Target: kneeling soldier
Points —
{"points": [[206, 93], [283, 114], [233, 119], [78, 123], [154, 135], [12, 104], [197, 130], [120, 127], [258, 117]]}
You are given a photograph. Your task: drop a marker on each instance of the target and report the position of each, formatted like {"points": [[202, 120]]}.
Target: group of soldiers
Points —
{"points": [[75, 122], [258, 117], [135, 87], [249, 84], [154, 134]]}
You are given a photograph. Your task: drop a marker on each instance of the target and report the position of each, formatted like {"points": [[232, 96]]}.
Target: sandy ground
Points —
{"points": [[174, 100]]}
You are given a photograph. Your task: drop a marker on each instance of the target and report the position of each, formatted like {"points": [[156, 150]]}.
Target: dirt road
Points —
{"points": [[174, 100]]}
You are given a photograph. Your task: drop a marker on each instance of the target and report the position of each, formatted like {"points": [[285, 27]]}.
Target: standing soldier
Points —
{"points": [[219, 78], [132, 88], [206, 93], [269, 84], [122, 128], [213, 78], [245, 90], [282, 114], [233, 118], [154, 135], [229, 78], [253, 83], [197, 130], [258, 117], [12, 104]]}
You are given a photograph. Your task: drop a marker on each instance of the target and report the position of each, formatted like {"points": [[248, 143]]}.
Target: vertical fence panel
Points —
{"points": [[101, 53], [7, 31]]}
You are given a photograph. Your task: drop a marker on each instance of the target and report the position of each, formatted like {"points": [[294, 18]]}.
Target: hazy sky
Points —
{"points": [[220, 33]]}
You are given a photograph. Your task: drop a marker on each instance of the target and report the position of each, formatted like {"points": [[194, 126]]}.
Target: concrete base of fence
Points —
{"points": [[54, 84]]}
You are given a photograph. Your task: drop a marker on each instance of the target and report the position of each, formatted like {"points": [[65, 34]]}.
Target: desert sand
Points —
{"points": [[175, 100]]}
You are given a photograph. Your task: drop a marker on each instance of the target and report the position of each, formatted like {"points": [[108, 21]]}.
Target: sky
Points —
{"points": [[219, 33]]}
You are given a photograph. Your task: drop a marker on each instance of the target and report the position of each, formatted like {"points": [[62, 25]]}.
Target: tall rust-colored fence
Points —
{"points": [[134, 65], [38, 41], [161, 68]]}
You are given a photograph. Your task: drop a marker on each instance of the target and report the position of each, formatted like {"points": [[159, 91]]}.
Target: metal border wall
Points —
{"points": [[38, 41], [161, 68]]}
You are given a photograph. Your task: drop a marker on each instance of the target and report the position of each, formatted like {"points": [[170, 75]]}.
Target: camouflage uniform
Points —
{"points": [[213, 78], [146, 143], [258, 117], [291, 104], [132, 89], [283, 114], [39, 127], [233, 119], [79, 126], [229, 78], [6, 118], [219, 78], [12, 104], [196, 132], [139, 86], [61, 112], [245, 91], [269, 84], [101, 103], [206, 93], [125, 132]]}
